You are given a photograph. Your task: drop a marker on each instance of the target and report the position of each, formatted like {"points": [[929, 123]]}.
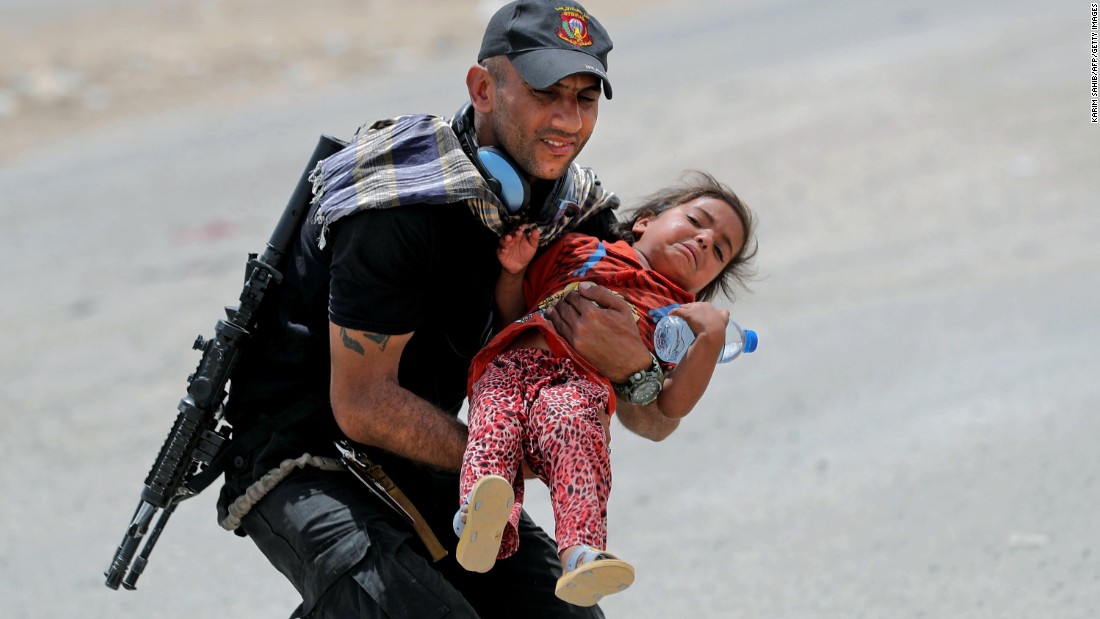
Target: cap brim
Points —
{"points": [[544, 67]]}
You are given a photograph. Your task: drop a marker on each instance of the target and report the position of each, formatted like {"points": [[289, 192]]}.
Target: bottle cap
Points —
{"points": [[750, 340]]}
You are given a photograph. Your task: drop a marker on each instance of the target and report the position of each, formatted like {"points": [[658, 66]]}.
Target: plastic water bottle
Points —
{"points": [[672, 336]]}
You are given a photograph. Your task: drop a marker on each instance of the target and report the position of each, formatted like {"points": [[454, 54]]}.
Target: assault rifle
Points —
{"points": [[189, 459]]}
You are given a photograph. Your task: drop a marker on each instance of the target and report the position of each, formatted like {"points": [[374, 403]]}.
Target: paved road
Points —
{"points": [[914, 438]]}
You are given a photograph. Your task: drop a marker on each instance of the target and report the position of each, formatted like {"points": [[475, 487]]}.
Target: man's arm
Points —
{"points": [[645, 421], [373, 409]]}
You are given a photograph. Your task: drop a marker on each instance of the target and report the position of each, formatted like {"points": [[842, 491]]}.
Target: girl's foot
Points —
{"points": [[591, 574], [486, 513]]}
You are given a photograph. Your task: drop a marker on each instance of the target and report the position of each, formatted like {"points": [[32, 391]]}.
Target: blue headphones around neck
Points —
{"points": [[505, 177]]}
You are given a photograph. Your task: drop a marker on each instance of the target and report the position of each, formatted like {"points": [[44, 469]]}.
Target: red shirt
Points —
{"points": [[576, 258]]}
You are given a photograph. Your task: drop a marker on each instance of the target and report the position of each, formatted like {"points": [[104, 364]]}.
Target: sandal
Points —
{"points": [[489, 507], [600, 574]]}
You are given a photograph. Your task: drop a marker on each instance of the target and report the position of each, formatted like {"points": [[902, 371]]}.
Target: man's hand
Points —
{"points": [[517, 248], [599, 325]]}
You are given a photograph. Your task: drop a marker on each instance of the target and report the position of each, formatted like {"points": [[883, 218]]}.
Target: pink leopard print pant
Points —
{"points": [[530, 405]]}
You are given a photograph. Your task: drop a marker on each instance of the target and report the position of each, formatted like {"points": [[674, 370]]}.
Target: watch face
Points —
{"points": [[643, 387], [646, 391]]}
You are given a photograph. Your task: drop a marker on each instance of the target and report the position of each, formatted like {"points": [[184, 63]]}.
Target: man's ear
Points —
{"points": [[480, 85]]}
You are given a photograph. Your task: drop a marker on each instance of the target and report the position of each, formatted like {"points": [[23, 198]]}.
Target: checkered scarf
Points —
{"points": [[419, 160]]}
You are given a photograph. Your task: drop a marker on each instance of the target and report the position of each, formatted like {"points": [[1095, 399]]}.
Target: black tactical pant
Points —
{"points": [[350, 557]]}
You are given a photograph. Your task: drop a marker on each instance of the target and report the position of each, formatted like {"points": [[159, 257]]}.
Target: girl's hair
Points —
{"points": [[698, 184]]}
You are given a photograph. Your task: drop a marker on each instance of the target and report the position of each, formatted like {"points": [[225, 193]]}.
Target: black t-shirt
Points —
{"points": [[427, 269]]}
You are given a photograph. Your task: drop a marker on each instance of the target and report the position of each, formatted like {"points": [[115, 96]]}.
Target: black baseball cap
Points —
{"points": [[547, 40]]}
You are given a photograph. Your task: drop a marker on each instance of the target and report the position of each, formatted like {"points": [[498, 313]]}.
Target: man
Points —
{"points": [[370, 337]]}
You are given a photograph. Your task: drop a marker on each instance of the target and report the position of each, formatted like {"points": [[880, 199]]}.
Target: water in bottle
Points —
{"points": [[672, 336]]}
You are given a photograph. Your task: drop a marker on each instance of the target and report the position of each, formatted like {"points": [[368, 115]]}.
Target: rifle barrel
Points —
{"points": [[130, 542]]}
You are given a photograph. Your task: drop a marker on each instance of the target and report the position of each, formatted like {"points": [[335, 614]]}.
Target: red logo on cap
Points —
{"points": [[574, 27]]}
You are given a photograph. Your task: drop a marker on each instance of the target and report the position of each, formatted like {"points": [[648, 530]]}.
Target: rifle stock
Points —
{"points": [[199, 434]]}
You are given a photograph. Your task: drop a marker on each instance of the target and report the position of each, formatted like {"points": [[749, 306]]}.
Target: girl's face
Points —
{"points": [[690, 243]]}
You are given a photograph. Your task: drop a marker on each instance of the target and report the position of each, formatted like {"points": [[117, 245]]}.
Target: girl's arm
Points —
{"points": [[685, 384], [515, 252]]}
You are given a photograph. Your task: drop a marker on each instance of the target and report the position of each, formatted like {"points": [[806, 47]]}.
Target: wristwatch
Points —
{"points": [[643, 386]]}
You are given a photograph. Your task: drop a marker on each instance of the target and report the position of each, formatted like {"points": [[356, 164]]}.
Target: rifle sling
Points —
{"points": [[423, 531], [374, 477]]}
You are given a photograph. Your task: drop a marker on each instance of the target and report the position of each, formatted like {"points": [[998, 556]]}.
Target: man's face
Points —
{"points": [[544, 130]]}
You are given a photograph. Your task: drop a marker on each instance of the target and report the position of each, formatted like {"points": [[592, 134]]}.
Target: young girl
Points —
{"points": [[533, 400]]}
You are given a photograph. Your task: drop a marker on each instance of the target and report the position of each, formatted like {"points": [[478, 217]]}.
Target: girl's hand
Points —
{"points": [[705, 319], [517, 248]]}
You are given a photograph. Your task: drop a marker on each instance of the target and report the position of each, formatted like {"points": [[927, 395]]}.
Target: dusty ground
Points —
{"points": [[69, 68], [914, 439]]}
